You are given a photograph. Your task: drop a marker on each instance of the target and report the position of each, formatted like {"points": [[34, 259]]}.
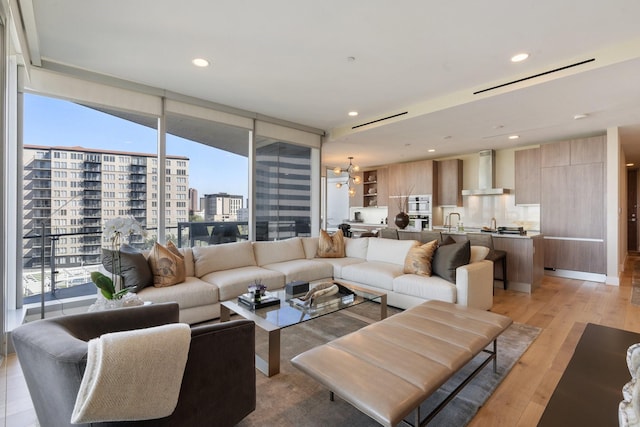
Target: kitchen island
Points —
{"points": [[525, 255]]}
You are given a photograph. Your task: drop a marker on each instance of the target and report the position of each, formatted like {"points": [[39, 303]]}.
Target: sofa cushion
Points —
{"points": [[134, 269], [193, 292], [278, 251], [433, 287], [167, 265], [331, 246], [234, 282], [306, 270], [339, 263], [478, 253], [222, 257], [376, 274], [449, 257], [419, 258], [187, 253], [356, 248], [389, 250], [310, 245]]}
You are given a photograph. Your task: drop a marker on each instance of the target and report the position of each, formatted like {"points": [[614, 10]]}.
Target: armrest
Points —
{"points": [[474, 285], [219, 383]]}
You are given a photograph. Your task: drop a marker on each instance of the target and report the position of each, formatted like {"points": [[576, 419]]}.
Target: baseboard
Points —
{"points": [[579, 275]]}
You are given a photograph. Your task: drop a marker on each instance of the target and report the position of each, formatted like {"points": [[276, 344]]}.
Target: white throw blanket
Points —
{"points": [[133, 375]]}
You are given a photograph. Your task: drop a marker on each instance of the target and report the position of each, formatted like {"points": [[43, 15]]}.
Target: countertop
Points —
{"points": [[530, 234]]}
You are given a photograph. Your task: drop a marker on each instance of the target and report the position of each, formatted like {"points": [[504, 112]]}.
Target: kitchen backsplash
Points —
{"points": [[478, 211], [369, 215]]}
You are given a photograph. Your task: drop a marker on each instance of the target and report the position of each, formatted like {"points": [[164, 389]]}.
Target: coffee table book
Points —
{"points": [[266, 301]]}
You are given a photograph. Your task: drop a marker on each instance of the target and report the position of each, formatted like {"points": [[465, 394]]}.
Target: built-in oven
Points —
{"points": [[419, 204], [419, 222]]}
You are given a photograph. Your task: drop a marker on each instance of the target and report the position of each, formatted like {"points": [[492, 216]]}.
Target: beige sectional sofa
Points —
{"points": [[223, 272]]}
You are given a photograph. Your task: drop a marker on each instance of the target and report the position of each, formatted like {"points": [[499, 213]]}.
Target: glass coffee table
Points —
{"points": [[290, 312]]}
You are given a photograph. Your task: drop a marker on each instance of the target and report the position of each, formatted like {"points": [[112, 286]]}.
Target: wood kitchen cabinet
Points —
{"points": [[572, 209], [411, 178], [449, 174], [527, 169], [525, 261]]}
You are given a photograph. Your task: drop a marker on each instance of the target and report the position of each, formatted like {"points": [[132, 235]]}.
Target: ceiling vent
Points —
{"points": [[555, 70], [486, 176], [380, 120]]}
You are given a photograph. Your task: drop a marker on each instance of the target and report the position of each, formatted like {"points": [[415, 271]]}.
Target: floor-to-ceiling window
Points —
{"points": [[216, 209], [283, 190], [91, 151], [81, 168]]}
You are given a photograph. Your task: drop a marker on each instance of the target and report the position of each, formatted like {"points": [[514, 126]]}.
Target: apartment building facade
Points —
{"points": [[70, 192], [222, 206]]}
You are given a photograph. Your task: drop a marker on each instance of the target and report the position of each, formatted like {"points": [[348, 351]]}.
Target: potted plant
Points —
{"points": [[114, 231]]}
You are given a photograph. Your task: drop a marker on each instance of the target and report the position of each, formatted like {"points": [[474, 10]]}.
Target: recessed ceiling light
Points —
{"points": [[200, 62], [514, 136], [630, 164], [353, 113], [580, 116], [431, 150], [519, 57]]}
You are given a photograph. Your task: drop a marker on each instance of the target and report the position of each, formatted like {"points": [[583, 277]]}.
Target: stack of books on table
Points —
{"points": [[266, 300]]}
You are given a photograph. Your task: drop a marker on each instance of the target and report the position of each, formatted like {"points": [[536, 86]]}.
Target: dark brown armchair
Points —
{"points": [[219, 383]]}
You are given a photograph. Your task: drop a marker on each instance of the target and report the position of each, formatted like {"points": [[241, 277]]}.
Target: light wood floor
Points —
{"points": [[561, 307]]}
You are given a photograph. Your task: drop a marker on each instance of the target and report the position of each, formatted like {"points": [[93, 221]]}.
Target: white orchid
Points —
{"points": [[123, 226]]}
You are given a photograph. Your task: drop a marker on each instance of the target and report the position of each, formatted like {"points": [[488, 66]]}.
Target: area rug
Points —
{"points": [[291, 398]]}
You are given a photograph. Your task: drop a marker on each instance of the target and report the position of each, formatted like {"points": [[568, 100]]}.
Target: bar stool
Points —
{"points": [[388, 233], [494, 255]]}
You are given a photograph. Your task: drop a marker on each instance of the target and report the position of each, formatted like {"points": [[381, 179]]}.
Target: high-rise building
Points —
{"points": [[222, 206], [73, 191], [193, 201]]}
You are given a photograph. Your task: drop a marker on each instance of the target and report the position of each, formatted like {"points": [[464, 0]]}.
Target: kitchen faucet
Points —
{"points": [[453, 213]]}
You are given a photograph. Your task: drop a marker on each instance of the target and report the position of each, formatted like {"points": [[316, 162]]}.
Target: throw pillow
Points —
{"points": [[167, 265], [419, 258], [134, 269], [449, 257], [448, 241], [331, 246]]}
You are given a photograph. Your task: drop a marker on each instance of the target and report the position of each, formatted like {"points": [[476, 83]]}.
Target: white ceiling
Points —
{"points": [[289, 59]]}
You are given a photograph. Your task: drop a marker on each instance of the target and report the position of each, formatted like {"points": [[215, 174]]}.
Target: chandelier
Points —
{"points": [[352, 178]]}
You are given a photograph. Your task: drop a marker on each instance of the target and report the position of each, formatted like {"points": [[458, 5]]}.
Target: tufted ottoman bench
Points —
{"points": [[387, 369]]}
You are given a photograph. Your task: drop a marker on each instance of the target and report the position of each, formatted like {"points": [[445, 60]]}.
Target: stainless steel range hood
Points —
{"points": [[486, 176]]}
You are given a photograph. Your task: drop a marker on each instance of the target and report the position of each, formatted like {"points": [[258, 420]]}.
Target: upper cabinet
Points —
{"points": [[411, 178], [449, 183], [578, 151], [527, 168]]}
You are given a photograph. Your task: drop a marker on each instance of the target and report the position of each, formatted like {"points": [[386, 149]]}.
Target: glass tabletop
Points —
{"points": [[292, 311]]}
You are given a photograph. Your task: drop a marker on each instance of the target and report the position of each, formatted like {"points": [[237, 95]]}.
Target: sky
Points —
{"points": [[54, 122]]}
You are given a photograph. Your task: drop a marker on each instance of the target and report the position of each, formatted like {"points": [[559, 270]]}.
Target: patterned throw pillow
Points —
{"points": [[167, 265], [331, 246], [419, 257]]}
